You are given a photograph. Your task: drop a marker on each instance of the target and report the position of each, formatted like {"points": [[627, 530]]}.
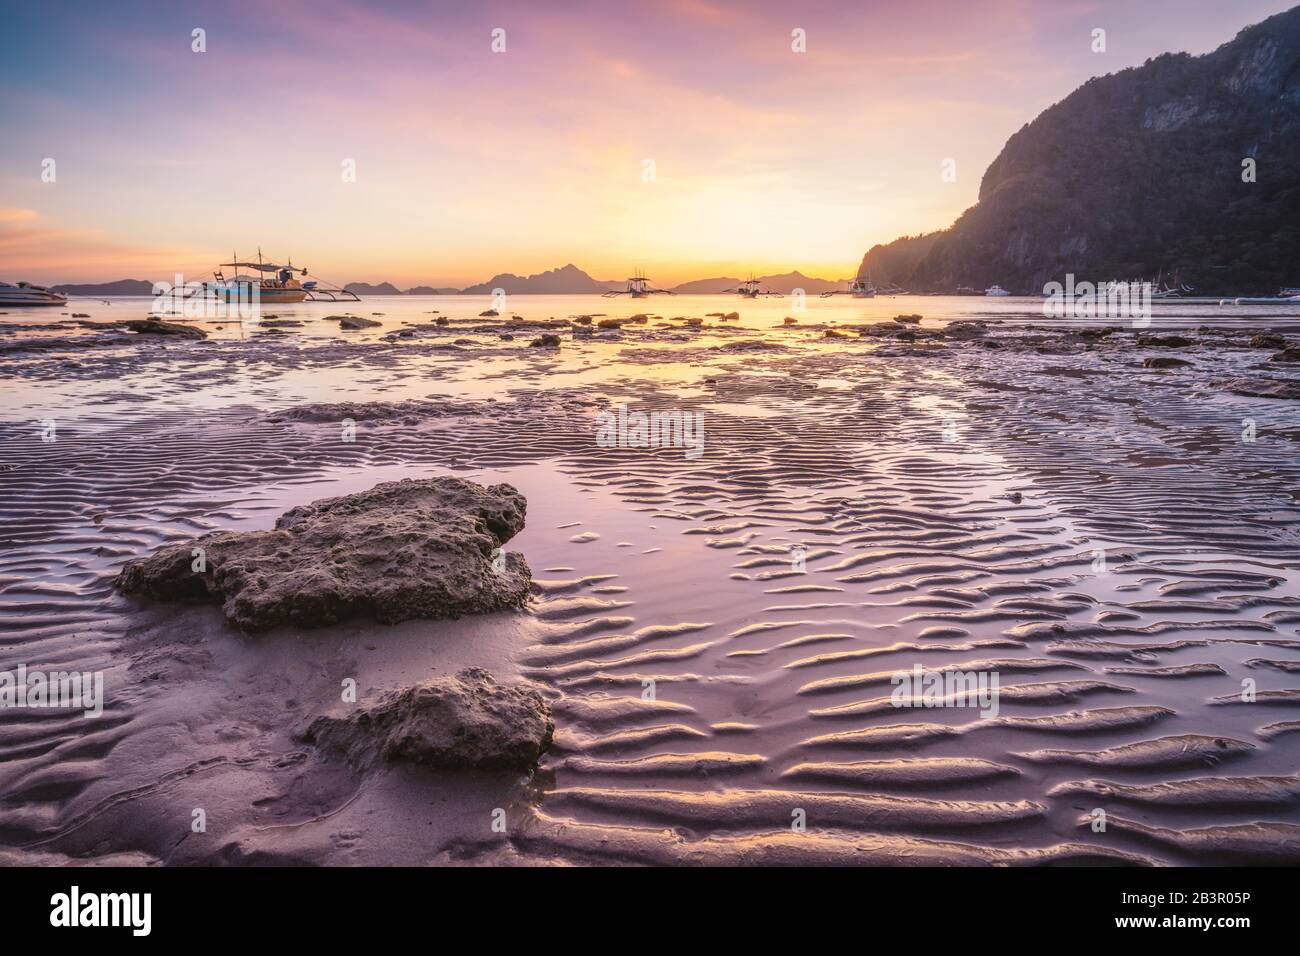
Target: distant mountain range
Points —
{"points": [[785, 284], [1138, 173], [567, 280]]}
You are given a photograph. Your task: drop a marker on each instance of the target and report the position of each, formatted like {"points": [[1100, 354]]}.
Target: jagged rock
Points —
{"points": [[961, 331], [609, 324], [546, 341], [466, 722], [1097, 333], [912, 319], [1268, 340], [1163, 341], [356, 322], [833, 334], [1291, 354], [404, 549], [1263, 388], [152, 326], [1163, 361]]}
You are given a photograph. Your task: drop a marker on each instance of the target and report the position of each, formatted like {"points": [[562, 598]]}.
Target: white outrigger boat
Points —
{"points": [[996, 290], [858, 288], [749, 289], [24, 293], [638, 287], [273, 283]]}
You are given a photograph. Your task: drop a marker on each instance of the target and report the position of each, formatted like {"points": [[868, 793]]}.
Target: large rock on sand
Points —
{"points": [[464, 722], [402, 550]]}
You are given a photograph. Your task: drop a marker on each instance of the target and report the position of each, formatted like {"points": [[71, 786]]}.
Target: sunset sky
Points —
{"points": [[470, 162]]}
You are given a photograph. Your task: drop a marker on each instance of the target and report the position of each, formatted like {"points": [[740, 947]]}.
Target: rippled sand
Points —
{"points": [[718, 635]]}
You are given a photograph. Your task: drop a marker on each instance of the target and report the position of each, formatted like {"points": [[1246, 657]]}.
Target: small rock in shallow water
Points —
{"points": [[546, 341], [1268, 340], [1163, 361], [466, 722], [152, 326], [1286, 355], [356, 322]]}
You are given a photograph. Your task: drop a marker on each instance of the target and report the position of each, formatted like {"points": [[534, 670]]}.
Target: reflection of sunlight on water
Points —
{"points": [[270, 377]]}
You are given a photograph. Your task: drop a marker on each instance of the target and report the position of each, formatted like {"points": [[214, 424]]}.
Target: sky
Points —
{"points": [[389, 141]]}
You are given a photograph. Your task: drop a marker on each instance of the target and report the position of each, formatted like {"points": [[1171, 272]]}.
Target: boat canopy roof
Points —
{"points": [[259, 266]]}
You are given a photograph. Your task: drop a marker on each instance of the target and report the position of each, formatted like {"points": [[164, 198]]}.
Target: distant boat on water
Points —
{"points": [[272, 282], [638, 287], [24, 293], [750, 289], [858, 288], [996, 290]]}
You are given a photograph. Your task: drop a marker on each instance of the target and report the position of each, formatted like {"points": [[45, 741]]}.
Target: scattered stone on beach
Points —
{"points": [[880, 329], [833, 334], [81, 315], [912, 319], [506, 337], [489, 313], [1164, 361], [961, 331], [695, 322], [1268, 340], [1163, 341], [639, 319], [155, 326], [417, 548], [1092, 334], [354, 322], [271, 322], [789, 320], [1262, 387], [466, 722], [609, 324], [546, 340], [1291, 354], [442, 320], [582, 319]]}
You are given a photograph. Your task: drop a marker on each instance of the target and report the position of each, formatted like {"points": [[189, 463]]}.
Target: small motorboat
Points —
{"points": [[996, 290], [24, 293]]}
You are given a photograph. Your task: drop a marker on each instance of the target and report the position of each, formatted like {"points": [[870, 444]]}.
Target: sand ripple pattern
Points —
{"points": [[1105, 546]]}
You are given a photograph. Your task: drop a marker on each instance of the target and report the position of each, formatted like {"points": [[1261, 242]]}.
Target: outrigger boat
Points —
{"points": [[750, 289], [273, 283], [858, 288], [996, 290], [638, 287], [24, 293]]}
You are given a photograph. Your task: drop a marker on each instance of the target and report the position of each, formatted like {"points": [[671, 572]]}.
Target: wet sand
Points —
{"points": [[862, 505]]}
